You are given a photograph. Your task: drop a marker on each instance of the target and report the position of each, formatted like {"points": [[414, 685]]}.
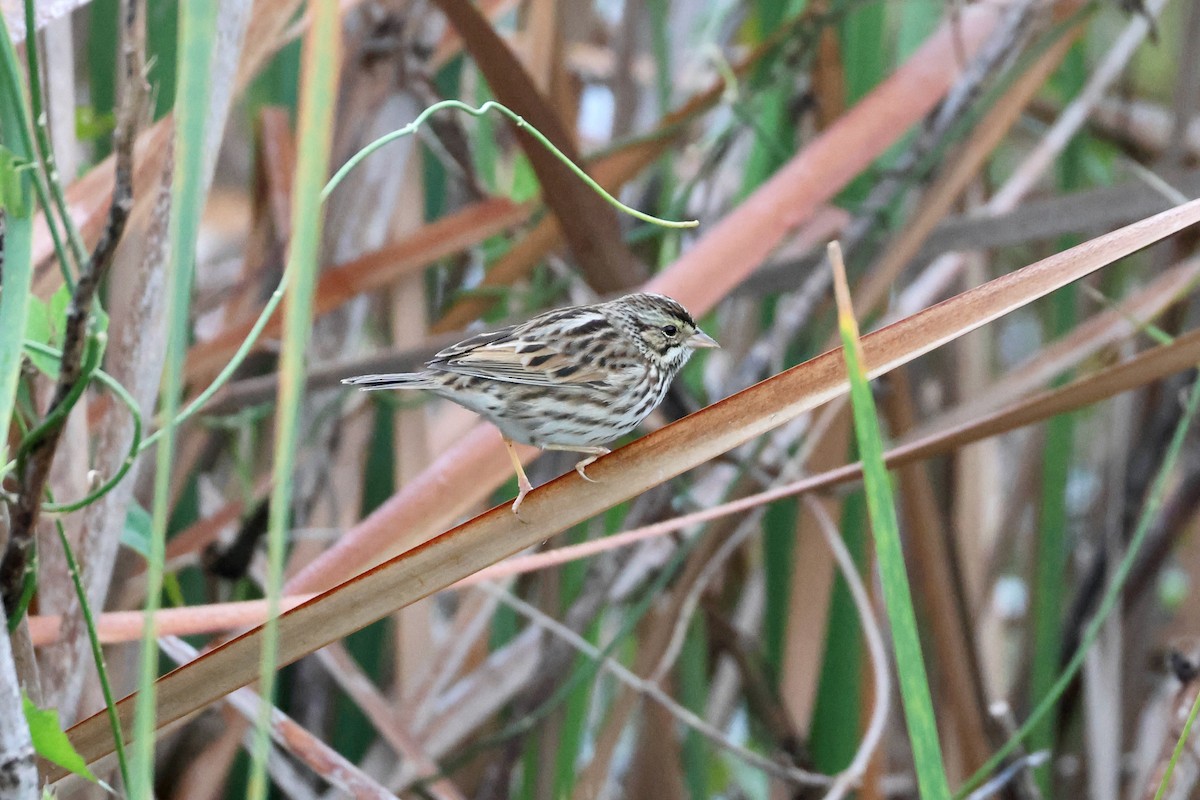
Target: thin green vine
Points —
{"points": [[520, 122], [92, 355], [110, 705]]}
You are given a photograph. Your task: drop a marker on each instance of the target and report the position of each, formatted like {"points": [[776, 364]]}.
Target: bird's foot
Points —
{"points": [[516, 506], [580, 467]]}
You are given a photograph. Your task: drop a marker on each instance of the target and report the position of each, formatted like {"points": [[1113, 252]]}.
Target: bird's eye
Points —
{"points": [[670, 330]]}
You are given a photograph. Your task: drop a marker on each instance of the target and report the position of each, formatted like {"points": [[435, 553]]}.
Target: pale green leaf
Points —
{"points": [[51, 743]]}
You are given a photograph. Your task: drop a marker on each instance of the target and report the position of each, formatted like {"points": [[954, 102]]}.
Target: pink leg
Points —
{"points": [[523, 484]]}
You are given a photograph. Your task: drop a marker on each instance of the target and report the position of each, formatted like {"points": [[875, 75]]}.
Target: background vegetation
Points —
{"points": [[724, 613]]}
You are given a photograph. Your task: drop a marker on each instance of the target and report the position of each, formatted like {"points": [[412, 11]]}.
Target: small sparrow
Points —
{"points": [[570, 379]]}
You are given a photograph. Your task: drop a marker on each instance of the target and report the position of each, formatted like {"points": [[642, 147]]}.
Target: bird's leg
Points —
{"points": [[593, 454], [523, 484]]}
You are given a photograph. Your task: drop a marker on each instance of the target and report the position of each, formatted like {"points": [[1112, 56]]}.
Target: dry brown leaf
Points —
{"points": [[1084, 341], [113, 627]]}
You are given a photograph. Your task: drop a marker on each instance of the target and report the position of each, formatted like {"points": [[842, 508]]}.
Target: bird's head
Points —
{"points": [[662, 328]]}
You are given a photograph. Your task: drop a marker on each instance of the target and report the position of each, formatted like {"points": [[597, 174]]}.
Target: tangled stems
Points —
{"points": [[89, 624], [122, 394], [33, 464], [1092, 631]]}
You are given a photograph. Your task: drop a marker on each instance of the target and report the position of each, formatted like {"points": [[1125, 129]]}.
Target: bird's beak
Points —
{"points": [[700, 339]]}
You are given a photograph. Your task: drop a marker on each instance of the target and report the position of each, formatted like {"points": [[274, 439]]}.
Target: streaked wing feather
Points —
{"points": [[519, 354], [521, 362], [467, 345]]}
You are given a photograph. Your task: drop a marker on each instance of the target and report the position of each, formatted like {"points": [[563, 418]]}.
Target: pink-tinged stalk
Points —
{"points": [[114, 627]]}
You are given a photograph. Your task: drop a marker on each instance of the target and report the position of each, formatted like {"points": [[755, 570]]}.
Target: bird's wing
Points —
{"points": [[467, 345], [522, 354]]}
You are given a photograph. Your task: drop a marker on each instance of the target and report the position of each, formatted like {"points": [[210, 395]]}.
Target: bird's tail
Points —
{"points": [[395, 380]]}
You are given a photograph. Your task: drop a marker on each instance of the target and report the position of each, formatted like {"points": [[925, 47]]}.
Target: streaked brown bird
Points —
{"points": [[570, 379]]}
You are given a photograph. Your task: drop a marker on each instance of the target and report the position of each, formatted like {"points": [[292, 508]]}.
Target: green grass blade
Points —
{"points": [[16, 202], [197, 28], [14, 298], [42, 133], [897, 596], [1183, 738], [317, 102], [864, 64], [1053, 547]]}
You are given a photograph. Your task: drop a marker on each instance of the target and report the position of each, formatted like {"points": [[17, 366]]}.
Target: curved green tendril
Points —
{"points": [[517, 120], [115, 386], [227, 371], [93, 353]]}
